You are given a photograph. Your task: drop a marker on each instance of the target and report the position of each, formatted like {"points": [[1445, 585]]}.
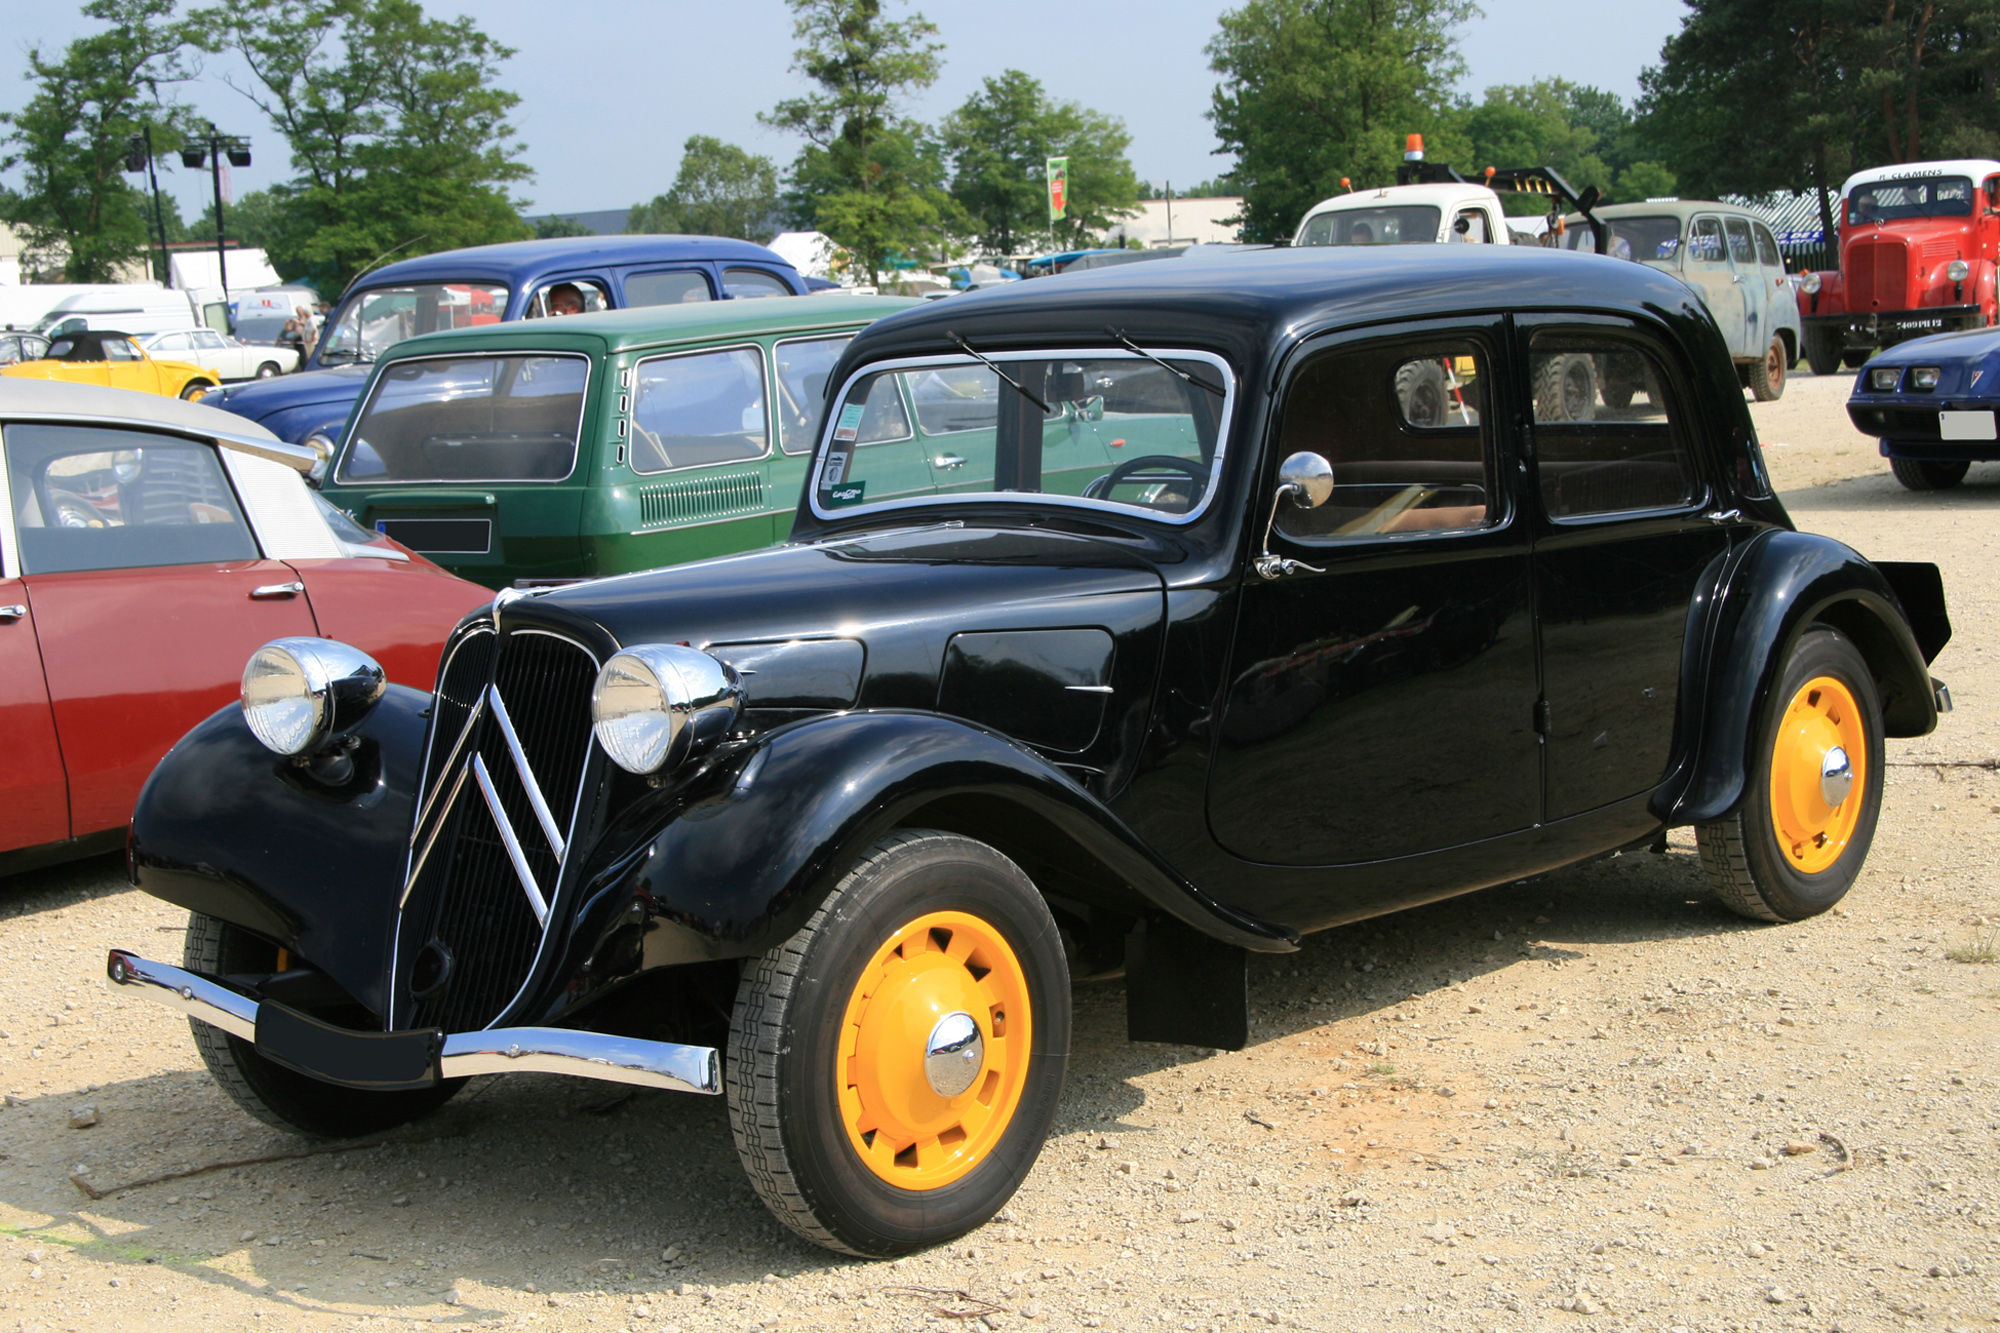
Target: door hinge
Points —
{"points": [[1541, 717]]}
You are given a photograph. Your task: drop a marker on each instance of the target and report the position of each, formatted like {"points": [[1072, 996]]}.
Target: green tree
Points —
{"points": [[1642, 181], [1314, 90], [1215, 187], [720, 190], [998, 144], [395, 123], [552, 226], [77, 212], [867, 177], [251, 220]]}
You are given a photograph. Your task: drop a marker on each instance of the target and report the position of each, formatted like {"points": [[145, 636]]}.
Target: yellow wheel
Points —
{"points": [[1796, 842], [933, 1050], [894, 1064]]}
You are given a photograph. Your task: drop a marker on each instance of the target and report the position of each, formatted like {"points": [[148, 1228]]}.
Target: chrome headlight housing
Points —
{"points": [[1924, 378], [1958, 270], [322, 446], [657, 705], [1809, 284], [1882, 379], [300, 693]]}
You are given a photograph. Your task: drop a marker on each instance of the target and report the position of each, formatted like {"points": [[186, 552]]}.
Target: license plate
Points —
{"points": [[1965, 426], [440, 536]]}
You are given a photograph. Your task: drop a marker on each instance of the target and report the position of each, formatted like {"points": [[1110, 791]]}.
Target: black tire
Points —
{"points": [[1766, 378], [1822, 350], [1421, 391], [784, 1077], [1566, 387], [193, 390], [1920, 474], [1856, 359], [273, 1094], [1742, 855], [269, 370]]}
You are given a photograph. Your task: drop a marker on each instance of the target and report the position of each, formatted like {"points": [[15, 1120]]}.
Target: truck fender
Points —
{"points": [[734, 870], [1778, 585], [226, 828]]}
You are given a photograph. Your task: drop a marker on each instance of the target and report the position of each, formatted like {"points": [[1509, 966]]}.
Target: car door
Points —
{"points": [[149, 594], [228, 358], [700, 448], [1707, 269], [1623, 548], [127, 367], [1748, 281], [34, 799], [1381, 691]]}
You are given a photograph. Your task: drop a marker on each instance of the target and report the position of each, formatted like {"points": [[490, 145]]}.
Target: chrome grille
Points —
{"points": [[702, 497], [510, 743]]}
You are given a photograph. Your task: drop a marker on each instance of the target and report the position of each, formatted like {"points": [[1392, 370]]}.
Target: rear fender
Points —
{"points": [[1781, 584], [229, 829], [730, 869]]}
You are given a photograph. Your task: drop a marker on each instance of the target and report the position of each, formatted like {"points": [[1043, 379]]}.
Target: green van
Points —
{"points": [[559, 449]]}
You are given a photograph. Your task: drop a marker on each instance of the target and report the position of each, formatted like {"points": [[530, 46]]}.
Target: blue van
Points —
{"points": [[491, 284]]}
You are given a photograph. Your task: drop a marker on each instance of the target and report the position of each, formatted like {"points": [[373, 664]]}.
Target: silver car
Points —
{"points": [[1730, 257]]}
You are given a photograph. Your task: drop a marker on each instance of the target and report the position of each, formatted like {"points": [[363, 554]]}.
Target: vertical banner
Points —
{"points": [[1057, 175]]}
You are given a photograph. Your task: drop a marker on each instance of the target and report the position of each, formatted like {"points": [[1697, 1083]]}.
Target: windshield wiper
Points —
{"points": [[1018, 386], [1131, 346]]}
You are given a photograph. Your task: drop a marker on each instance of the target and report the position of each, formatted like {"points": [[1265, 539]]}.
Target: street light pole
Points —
{"points": [[215, 176], [143, 143]]}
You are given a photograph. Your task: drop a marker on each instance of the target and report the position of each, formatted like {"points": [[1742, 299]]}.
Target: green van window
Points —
{"points": [[698, 409]]}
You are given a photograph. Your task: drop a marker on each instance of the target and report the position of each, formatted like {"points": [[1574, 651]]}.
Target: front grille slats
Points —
{"points": [[468, 900]]}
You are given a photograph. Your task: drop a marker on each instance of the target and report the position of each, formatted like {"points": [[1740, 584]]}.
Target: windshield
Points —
{"points": [[1649, 238], [1121, 432], [372, 321], [1410, 224], [1884, 201], [469, 418]]}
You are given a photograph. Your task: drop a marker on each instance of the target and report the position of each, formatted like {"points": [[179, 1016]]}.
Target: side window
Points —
{"points": [[86, 497], [172, 342], [702, 408], [209, 340], [1403, 426], [1741, 248], [744, 284], [673, 288], [10, 351], [570, 296], [1705, 240], [121, 349], [955, 398], [803, 368], [1470, 227], [1608, 437], [1767, 247]]}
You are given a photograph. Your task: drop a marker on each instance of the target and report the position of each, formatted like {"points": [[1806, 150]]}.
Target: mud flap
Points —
{"points": [[1183, 987]]}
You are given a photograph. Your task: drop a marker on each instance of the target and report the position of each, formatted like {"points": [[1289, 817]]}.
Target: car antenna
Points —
{"points": [[1131, 346], [1018, 386]]}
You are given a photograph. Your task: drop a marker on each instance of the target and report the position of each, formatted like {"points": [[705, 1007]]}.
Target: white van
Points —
{"points": [[22, 305], [127, 308]]}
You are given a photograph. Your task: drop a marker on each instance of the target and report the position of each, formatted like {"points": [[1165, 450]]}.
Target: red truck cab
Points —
{"points": [[1917, 256]]}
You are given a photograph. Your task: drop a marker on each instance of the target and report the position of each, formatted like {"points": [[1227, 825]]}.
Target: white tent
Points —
{"points": [[810, 252], [248, 269]]}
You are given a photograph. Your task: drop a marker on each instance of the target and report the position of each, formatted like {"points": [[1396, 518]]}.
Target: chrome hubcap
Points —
{"points": [[953, 1054], [1836, 776]]}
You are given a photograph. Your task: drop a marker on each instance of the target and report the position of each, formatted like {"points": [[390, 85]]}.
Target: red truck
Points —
{"points": [[1917, 256]]}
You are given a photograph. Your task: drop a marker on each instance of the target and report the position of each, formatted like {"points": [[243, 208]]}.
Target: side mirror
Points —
{"points": [[1306, 480], [1092, 408]]}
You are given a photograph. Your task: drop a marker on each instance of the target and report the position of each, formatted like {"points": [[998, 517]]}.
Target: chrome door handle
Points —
{"points": [[1091, 689], [12, 613], [949, 462], [271, 591], [1723, 515]]}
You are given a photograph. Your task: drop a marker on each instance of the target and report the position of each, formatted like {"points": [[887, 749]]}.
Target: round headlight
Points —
{"points": [[1809, 284], [658, 705], [1958, 270], [299, 693]]}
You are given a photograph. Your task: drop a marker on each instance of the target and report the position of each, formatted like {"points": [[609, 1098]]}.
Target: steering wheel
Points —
{"points": [[1195, 472]]}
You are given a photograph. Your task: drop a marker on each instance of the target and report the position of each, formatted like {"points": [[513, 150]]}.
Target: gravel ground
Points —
{"points": [[1592, 1100]]}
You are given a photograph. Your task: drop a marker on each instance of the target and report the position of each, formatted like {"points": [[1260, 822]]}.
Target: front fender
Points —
{"points": [[742, 866], [1780, 584], [225, 827]]}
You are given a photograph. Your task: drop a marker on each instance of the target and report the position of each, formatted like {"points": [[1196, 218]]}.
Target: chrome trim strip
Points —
{"points": [[192, 994], [597, 1055], [1091, 689], [538, 904], [451, 757], [526, 771], [417, 865], [650, 1064]]}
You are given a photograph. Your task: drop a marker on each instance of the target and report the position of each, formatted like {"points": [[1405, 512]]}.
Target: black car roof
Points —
{"points": [[85, 344], [1239, 304]]}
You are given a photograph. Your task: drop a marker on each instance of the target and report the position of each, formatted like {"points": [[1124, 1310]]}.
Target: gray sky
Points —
{"points": [[610, 89]]}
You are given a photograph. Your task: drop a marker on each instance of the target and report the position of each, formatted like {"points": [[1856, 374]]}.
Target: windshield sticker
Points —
{"points": [[835, 469], [853, 493], [849, 424]]}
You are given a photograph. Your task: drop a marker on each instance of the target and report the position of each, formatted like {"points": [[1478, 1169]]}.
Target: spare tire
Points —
{"points": [[1423, 394], [1566, 387]]}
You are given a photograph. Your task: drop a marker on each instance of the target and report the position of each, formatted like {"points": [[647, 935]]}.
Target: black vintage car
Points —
{"points": [[1133, 620]]}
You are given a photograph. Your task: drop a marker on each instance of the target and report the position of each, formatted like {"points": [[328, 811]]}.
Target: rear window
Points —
{"points": [[1650, 237], [469, 418]]}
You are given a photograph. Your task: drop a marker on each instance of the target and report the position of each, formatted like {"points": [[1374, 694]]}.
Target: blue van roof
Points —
{"points": [[518, 262]]}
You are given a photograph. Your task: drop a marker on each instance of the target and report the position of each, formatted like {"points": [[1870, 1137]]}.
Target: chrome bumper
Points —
{"points": [[649, 1064]]}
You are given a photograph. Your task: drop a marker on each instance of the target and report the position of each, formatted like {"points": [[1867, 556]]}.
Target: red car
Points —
{"points": [[147, 548]]}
